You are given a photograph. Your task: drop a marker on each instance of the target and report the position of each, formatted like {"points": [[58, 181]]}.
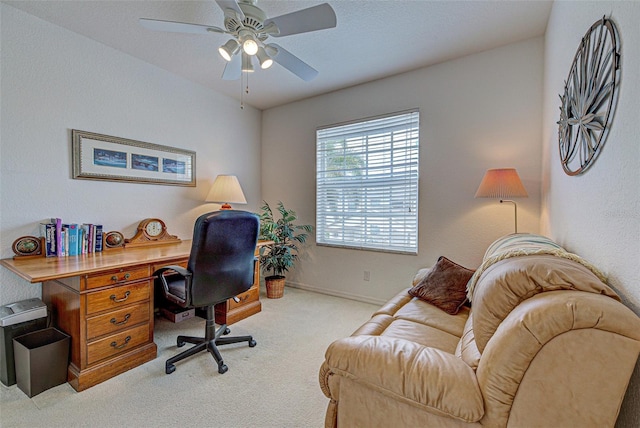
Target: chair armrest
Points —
{"points": [[425, 377], [178, 269], [162, 279]]}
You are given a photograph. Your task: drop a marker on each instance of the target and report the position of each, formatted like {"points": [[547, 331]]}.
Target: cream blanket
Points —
{"points": [[536, 249]]}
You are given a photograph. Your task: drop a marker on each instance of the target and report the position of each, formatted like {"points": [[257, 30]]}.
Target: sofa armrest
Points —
{"points": [[425, 377]]}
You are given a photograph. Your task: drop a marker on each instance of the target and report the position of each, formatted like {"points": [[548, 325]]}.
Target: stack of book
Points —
{"points": [[73, 239]]}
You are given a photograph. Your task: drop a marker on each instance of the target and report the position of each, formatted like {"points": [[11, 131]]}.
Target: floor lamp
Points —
{"points": [[502, 183]]}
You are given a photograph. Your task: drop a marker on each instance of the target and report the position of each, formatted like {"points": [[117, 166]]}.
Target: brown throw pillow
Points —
{"points": [[445, 286]]}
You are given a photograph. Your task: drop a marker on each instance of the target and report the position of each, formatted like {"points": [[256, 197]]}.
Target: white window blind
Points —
{"points": [[367, 184]]}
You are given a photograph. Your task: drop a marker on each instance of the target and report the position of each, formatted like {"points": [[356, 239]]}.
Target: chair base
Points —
{"points": [[210, 343]]}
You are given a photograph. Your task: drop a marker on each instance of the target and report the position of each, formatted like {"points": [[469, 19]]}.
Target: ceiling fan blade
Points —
{"points": [[178, 27], [233, 5], [293, 63], [305, 20], [233, 69]]}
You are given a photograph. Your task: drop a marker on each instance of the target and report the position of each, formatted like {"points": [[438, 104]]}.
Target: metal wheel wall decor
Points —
{"points": [[589, 99]]}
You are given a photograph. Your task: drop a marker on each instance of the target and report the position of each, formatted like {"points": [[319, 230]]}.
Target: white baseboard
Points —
{"points": [[342, 294]]}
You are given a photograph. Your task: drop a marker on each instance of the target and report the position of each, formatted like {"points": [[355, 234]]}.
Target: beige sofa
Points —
{"points": [[546, 343]]}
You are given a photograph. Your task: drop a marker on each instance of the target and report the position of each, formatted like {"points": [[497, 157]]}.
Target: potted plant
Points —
{"points": [[277, 258]]}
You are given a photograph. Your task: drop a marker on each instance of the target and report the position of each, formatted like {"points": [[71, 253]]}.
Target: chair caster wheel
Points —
{"points": [[226, 331], [180, 343], [169, 368], [252, 343], [222, 368]]}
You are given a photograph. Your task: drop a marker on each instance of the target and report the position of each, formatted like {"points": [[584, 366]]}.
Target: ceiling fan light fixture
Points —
{"points": [[249, 28], [229, 49], [250, 47], [249, 43], [265, 60], [247, 66]]}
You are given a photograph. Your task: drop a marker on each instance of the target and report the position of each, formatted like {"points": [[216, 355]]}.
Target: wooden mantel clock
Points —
{"points": [[151, 231]]}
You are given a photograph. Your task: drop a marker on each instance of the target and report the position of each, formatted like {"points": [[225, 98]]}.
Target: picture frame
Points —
{"points": [[105, 157], [27, 246]]}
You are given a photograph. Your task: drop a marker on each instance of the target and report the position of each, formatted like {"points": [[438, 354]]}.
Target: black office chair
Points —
{"points": [[221, 266]]}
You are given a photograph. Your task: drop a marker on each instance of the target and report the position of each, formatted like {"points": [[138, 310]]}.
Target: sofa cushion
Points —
{"points": [[466, 348], [444, 286], [421, 312], [506, 283], [425, 377], [423, 334], [406, 317]]}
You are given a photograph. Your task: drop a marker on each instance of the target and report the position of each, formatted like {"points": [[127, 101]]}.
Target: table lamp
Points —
{"points": [[226, 189], [502, 183]]}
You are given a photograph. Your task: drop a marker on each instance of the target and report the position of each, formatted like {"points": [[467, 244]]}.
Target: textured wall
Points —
{"points": [[478, 112], [597, 214], [52, 81]]}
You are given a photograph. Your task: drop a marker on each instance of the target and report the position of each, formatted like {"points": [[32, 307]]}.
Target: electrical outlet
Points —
{"points": [[367, 275]]}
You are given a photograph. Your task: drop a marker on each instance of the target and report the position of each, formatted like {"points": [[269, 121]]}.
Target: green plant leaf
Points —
{"points": [[279, 257]]}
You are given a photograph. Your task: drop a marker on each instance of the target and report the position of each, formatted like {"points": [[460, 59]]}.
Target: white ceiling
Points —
{"points": [[373, 38]]}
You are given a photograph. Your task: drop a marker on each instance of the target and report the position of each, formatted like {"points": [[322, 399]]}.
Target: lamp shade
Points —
{"points": [[226, 189], [248, 41], [247, 66], [229, 49], [501, 183], [264, 59]]}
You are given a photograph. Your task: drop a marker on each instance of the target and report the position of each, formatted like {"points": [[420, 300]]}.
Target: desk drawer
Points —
{"points": [[250, 295], [116, 277], [117, 343], [117, 320], [117, 297]]}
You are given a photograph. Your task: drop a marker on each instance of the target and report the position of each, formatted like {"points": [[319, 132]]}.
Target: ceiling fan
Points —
{"points": [[250, 29]]}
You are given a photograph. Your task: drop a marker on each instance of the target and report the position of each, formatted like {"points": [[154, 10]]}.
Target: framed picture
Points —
{"points": [[103, 157]]}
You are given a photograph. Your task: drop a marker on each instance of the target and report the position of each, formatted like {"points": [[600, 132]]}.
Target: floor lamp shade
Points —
{"points": [[226, 189], [502, 183]]}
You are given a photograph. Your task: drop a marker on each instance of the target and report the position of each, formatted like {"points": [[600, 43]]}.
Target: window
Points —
{"points": [[367, 184]]}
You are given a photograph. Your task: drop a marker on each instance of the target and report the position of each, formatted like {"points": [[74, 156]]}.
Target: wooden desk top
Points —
{"points": [[39, 269]]}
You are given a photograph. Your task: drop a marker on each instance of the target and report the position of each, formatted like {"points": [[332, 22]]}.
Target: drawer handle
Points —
{"points": [[124, 321], [240, 299], [126, 296], [126, 340], [114, 278]]}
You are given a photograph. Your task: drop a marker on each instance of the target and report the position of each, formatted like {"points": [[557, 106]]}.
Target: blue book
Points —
{"points": [[72, 249], [98, 237], [48, 231], [80, 240], [64, 241]]}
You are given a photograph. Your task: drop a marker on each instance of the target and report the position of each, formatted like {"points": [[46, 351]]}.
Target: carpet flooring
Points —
{"points": [[274, 384]]}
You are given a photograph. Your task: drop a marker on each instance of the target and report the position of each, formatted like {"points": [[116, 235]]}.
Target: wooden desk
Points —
{"points": [[104, 301]]}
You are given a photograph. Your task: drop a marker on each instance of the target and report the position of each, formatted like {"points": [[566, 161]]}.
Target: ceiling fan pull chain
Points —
{"points": [[241, 91]]}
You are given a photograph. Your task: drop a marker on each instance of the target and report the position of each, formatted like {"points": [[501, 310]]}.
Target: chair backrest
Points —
{"points": [[222, 255]]}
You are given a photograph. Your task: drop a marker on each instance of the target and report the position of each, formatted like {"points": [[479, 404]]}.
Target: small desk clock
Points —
{"points": [[151, 231]]}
